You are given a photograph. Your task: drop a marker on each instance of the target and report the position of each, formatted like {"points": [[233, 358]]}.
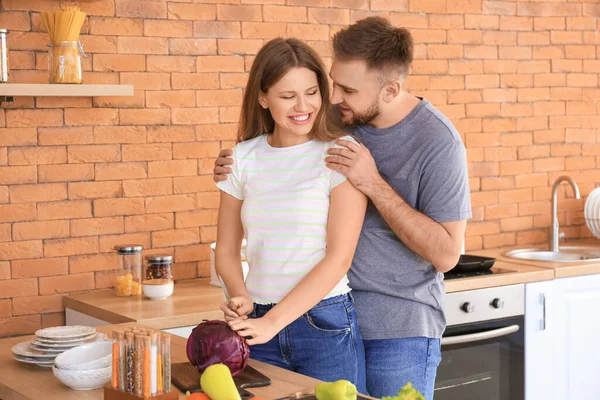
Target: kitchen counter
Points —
{"points": [[191, 302], [560, 269], [19, 381], [194, 301], [512, 274]]}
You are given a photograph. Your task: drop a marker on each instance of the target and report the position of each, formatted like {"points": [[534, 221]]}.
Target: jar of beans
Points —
{"points": [[159, 267]]}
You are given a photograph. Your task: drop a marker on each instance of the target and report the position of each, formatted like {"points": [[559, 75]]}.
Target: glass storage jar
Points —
{"points": [[159, 267], [158, 284], [64, 62], [3, 56], [129, 281]]}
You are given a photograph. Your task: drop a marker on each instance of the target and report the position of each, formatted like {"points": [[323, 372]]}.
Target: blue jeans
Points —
{"points": [[392, 363], [324, 343]]}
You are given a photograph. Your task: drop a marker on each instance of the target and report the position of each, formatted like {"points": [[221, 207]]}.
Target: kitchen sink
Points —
{"points": [[565, 254]]}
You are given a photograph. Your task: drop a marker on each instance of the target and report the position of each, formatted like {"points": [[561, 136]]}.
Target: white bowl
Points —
{"points": [[157, 292], [83, 380], [86, 357]]}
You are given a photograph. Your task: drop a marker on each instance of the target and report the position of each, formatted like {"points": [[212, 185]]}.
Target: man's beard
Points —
{"points": [[365, 117]]}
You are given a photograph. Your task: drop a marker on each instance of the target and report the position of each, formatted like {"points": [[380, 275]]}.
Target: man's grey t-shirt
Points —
{"points": [[397, 293]]}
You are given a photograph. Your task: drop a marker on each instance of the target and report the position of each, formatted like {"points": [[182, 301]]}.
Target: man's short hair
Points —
{"points": [[381, 45]]}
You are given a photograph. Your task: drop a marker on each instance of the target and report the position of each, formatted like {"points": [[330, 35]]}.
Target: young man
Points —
{"points": [[412, 166]]}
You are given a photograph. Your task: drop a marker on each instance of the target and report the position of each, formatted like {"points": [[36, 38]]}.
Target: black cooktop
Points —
{"points": [[469, 266], [455, 275]]}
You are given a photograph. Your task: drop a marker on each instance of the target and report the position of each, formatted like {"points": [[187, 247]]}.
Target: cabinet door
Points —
{"points": [[577, 337], [183, 331], [539, 341]]}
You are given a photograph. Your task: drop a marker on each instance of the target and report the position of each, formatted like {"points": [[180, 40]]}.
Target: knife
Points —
{"points": [[299, 395]]}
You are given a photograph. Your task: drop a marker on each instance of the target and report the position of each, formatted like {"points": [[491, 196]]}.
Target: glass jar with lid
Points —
{"points": [[3, 56], [129, 280], [159, 267], [158, 284]]}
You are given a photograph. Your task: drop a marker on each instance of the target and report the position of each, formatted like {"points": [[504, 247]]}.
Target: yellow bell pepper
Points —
{"points": [[338, 390], [216, 381]]}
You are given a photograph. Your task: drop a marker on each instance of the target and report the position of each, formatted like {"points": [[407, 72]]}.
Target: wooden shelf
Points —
{"points": [[79, 90]]}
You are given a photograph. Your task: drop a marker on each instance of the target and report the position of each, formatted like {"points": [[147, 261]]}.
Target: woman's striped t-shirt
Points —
{"points": [[285, 193]]}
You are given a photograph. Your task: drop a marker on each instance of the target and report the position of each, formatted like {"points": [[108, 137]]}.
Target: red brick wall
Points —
{"points": [[78, 175]]}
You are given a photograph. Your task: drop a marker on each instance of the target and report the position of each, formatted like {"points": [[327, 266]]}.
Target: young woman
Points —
{"points": [[301, 220]]}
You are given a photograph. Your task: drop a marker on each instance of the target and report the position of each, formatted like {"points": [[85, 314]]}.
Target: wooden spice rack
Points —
{"points": [[113, 394]]}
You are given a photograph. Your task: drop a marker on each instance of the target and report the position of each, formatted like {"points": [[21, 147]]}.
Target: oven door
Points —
{"points": [[482, 360]]}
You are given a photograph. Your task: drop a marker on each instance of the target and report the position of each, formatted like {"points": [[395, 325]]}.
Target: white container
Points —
{"points": [[86, 357], [157, 291], [214, 277], [83, 380]]}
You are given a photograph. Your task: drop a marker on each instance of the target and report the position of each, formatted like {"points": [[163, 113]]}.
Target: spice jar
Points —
{"points": [[129, 280], [3, 56], [159, 267]]}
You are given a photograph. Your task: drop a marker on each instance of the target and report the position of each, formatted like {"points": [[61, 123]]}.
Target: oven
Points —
{"points": [[483, 353]]}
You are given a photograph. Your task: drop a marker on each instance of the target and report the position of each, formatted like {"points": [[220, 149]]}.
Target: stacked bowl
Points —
{"points": [[85, 367]]}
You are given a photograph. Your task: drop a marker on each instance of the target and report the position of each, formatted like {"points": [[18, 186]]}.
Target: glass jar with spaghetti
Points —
{"points": [[64, 62]]}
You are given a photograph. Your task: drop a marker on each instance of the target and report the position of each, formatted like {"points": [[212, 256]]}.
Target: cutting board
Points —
{"points": [[186, 377], [358, 397]]}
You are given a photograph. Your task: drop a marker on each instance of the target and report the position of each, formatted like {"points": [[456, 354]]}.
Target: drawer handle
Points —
{"points": [[543, 301]]}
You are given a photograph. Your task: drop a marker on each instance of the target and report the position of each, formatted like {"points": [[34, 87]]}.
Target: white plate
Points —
{"points": [[591, 211], [65, 341], [589, 220], [45, 364], [595, 213], [24, 349], [50, 350], [67, 344], [66, 332], [588, 203]]}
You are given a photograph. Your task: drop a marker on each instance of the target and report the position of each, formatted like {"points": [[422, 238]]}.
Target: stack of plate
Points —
{"points": [[50, 342], [591, 212]]}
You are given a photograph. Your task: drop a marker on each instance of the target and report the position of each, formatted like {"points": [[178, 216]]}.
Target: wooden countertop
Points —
{"points": [[19, 381], [194, 301], [560, 269], [191, 302], [512, 273]]}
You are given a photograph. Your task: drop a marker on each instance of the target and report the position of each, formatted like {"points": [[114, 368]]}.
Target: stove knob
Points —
{"points": [[498, 303], [467, 307]]}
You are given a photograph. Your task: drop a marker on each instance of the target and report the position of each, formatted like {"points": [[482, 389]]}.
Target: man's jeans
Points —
{"points": [[392, 363], [323, 343]]}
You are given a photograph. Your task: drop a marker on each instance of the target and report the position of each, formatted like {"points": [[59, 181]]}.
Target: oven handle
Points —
{"points": [[476, 337]]}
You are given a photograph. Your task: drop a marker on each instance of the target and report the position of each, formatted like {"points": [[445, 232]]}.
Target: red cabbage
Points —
{"points": [[213, 342]]}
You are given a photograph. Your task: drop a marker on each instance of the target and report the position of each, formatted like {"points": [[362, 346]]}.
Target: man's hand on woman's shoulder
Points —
{"points": [[221, 169]]}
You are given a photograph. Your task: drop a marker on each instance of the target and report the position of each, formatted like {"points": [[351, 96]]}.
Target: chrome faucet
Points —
{"points": [[555, 238]]}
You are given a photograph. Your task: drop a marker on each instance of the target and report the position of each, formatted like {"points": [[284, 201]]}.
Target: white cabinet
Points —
{"points": [[539, 341], [577, 339], [183, 331]]}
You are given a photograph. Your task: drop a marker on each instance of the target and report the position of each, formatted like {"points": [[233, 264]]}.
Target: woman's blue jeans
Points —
{"points": [[324, 343]]}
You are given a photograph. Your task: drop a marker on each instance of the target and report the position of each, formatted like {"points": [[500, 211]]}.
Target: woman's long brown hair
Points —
{"points": [[272, 62]]}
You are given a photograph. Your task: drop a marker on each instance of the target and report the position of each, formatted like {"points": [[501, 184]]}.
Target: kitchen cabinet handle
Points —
{"points": [[543, 301], [476, 337]]}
